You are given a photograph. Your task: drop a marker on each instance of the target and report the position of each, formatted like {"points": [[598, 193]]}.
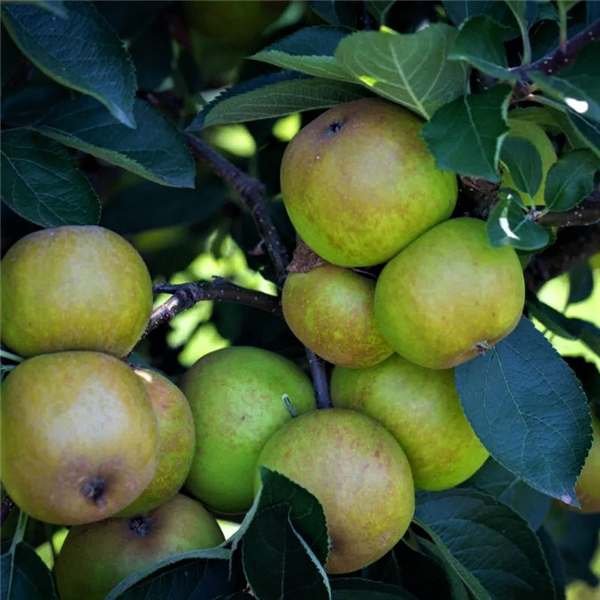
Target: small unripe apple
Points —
{"points": [[79, 436], [421, 408], [74, 288], [330, 310], [449, 295], [96, 557], [359, 183], [358, 472], [176, 443], [588, 483], [236, 396]]}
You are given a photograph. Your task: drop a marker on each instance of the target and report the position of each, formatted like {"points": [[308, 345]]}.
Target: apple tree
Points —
{"points": [[166, 123]]}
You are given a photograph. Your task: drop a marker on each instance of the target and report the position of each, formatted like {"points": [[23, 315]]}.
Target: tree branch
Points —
{"points": [[585, 213], [319, 376], [251, 192], [7, 507]]}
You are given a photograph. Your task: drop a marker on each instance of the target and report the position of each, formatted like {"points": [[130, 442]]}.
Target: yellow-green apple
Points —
{"points": [[359, 184], [359, 473], [236, 396], [96, 557], [421, 408], [588, 484], [176, 443], [330, 310], [79, 436], [449, 295], [74, 288]]}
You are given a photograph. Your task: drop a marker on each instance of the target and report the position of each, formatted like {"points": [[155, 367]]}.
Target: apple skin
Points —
{"points": [[448, 293], [74, 288], [176, 443], [96, 557], [236, 22], [358, 472], [69, 421], [421, 408], [359, 184], [236, 399], [330, 310], [588, 483]]}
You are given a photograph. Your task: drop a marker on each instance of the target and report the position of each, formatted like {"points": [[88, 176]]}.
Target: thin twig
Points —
{"points": [[319, 376], [585, 213], [7, 507]]}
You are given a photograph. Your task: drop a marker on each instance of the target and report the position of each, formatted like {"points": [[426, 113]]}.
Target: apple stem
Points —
{"points": [[289, 405], [319, 376]]}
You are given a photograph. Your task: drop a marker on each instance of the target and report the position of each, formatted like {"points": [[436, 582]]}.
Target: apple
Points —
{"points": [[79, 436], [588, 483], [236, 22], [449, 295], [358, 472], [330, 310], [421, 408], [236, 396], [359, 184], [74, 288], [176, 443], [96, 557]]}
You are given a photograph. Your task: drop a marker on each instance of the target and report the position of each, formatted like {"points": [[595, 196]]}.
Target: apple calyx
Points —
{"points": [[482, 347], [141, 525], [334, 127], [95, 490]]}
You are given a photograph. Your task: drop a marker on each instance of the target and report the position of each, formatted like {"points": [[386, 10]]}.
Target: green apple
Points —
{"points": [[358, 472], [176, 443], [74, 288], [588, 483], [359, 183], [330, 310], [236, 397], [421, 408], [236, 22], [79, 437], [449, 295], [96, 557]]}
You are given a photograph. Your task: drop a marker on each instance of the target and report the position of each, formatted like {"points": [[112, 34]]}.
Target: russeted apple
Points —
{"points": [[330, 310], [237, 400], [176, 443], [74, 288], [421, 408], [359, 473], [449, 295], [96, 557], [79, 436], [359, 184]]}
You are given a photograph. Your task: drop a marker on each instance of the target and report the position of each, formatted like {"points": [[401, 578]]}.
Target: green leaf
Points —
{"points": [[524, 11], [524, 163], [278, 563], [10, 57], [56, 7], [380, 9], [480, 42], [28, 102], [410, 69], [461, 10], [25, 576], [310, 50], [353, 588], [509, 225], [534, 418], [42, 183], [275, 95], [465, 135], [586, 130], [489, 545], [575, 85], [570, 180], [81, 52], [335, 12], [155, 150], [581, 283]]}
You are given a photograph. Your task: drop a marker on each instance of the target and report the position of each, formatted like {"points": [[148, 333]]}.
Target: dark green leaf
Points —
{"points": [[56, 7], [380, 9], [524, 163], [570, 180], [506, 487], [28, 102], [275, 95], [461, 10], [10, 57], [576, 85], [554, 560], [310, 50], [588, 131], [278, 563], [80, 51], [592, 12], [525, 12], [152, 53], [25, 576], [529, 410], [581, 283], [480, 42], [466, 134], [554, 320], [411, 69], [353, 588], [42, 183], [509, 225], [489, 545], [335, 12]]}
